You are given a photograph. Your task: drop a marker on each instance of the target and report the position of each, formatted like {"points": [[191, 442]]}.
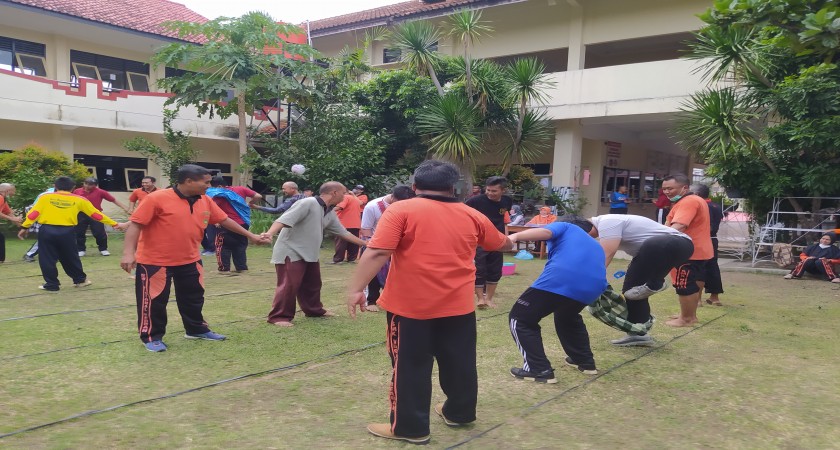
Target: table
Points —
{"points": [[540, 253]]}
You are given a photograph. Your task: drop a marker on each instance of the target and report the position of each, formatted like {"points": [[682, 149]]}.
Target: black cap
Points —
{"points": [[359, 187], [91, 180]]}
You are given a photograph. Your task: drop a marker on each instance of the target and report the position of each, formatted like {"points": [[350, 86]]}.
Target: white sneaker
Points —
{"points": [[642, 292], [632, 340], [105, 253], [82, 253]]}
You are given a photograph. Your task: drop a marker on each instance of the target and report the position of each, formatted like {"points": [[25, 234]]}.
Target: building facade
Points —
{"points": [[75, 77], [616, 73]]}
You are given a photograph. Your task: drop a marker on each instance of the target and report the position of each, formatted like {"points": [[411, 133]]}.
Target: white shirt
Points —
{"points": [[631, 229], [372, 213]]}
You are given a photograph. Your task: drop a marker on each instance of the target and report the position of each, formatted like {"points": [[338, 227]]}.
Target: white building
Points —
{"points": [[74, 77], [618, 80]]}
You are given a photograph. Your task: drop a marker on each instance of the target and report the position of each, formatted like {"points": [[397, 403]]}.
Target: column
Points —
{"points": [[566, 164], [59, 61], [577, 49]]}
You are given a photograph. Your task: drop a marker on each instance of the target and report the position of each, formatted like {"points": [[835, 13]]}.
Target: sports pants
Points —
{"points": [[57, 244], [152, 287], [230, 244], [344, 249], [97, 229], [655, 258], [414, 345]]}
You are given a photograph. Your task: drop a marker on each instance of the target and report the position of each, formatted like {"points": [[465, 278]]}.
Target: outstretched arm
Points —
{"points": [[371, 261]]}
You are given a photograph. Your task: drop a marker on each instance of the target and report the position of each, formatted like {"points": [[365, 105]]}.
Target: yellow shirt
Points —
{"points": [[62, 208]]}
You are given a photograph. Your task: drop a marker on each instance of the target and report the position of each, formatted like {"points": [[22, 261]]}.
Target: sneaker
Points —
{"points": [[642, 292], [105, 253], [27, 258], [788, 276], [208, 336], [208, 253], [632, 340], [546, 376], [589, 370], [155, 346], [384, 430], [83, 284], [44, 287], [439, 411], [82, 253]]}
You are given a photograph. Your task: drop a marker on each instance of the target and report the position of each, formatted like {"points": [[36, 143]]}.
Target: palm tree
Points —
{"points": [[466, 26], [453, 124], [526, 80], [418, 42]]}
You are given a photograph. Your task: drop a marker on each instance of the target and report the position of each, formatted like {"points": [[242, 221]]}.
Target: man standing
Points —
{"points": [[147, 186], [91, 191], [714, 283], [6, 190], [359, 192], [58, 213], [291, 194], [476, 191], [431, 314], [236, 202], [370, 218], [488, 264], [574, 277], [349, 212], [663, 206], [690, 215], [656, 250], [619, 201], [162, 243], [296, 253]]}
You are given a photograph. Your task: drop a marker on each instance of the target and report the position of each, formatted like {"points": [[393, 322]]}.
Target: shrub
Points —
{"points": [[33, 169]]}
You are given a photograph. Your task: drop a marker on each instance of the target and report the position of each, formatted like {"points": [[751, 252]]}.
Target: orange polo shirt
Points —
{"points": [[139, 194], [693, 212], [432, 268], [350, 214], [172, 229]]}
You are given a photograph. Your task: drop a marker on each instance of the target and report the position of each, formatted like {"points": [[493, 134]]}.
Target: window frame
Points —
{"points": [[76, 66], [128, 76], [21, 66], [128, 178]]}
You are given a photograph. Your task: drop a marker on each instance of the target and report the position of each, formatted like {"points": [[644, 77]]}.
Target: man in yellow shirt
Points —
{"points": [[58, 212]]}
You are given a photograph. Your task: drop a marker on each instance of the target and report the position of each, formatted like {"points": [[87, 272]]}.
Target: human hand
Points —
{"points": [[354, 299], [122, 226], [22, 233], [16, 220], [128, 263]]}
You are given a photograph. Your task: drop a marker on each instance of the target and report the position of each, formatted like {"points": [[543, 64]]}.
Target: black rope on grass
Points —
{"points": [[585, 383], [209, 385]]}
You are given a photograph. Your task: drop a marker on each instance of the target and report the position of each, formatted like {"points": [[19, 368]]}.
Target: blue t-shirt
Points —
{"points": [[617, 200], [575, 267]]}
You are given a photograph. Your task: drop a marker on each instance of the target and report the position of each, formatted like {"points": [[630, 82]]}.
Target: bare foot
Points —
{"points": [[482, 305], [372, 308], [327, 313], [679, 322], [283, 324], [491, 305], [714, 301]]}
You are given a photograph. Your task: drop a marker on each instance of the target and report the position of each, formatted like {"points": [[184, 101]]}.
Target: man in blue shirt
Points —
{"points": [[574, 277], [619, 201]]}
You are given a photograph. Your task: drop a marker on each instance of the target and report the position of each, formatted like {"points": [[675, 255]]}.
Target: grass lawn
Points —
{"points": [[760, 372]]}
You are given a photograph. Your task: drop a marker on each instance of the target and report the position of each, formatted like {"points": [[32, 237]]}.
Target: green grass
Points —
{"points": [[759, 373]]}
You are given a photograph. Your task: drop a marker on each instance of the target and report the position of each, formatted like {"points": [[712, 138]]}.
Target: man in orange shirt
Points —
{"points": [[431, 241], [690, 215], [162, 242], [349, 213], [147, 186], [6, 190]]}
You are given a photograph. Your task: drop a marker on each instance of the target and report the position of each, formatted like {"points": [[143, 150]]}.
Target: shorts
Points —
{"points": [[488, 267], [686, 276]]}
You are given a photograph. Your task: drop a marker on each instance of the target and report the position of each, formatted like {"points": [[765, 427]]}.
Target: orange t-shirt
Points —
{"points": [[432, 268], [693, 212], [350, 214], [4, 206], [139, 194], [172, 230]]}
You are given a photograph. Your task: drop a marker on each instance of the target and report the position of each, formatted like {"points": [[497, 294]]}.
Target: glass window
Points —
{"points": [[31, 65], [85, 71], [138, 82], [6, 59], [112, 79], [391, 55], [23, 56]]}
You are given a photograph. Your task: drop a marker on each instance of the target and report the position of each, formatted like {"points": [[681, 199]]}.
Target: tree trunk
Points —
{"points": [[466, 171], [434, 78], [516, 139], [243, 135], [468, 71]]}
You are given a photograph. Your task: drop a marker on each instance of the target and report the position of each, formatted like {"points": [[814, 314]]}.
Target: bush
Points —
{"points": [[33, 169], [521, 179]]}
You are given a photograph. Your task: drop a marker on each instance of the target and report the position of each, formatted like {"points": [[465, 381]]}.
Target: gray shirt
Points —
{"points": [[631, 229], [303, 230]]}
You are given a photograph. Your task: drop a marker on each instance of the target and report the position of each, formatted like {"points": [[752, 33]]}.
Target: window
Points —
{"points": [[115, 173], [115, 73], [23, 56], [641, 186], [391, 55], [219, 169]]}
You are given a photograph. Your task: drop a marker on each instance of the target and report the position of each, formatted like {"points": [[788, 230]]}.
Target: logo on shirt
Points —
{"points": [[206, 217]]}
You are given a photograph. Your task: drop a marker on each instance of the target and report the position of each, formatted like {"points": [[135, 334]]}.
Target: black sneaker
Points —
{"points": [[586, 369], [546, 376]]}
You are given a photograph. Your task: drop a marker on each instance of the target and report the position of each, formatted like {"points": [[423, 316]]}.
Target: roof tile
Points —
{"points": [[393, 12], [146, 15]]}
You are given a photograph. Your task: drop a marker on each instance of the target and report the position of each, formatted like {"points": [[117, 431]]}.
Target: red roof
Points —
{"points": [[146, 15], [393, 13]]}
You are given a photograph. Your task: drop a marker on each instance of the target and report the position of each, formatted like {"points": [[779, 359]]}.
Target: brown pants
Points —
{"points": [[296, 280], [346, 249]]}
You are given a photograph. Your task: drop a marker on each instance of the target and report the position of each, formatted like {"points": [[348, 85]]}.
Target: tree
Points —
{"points": [[467, 26], [418, 42], [452, 122], [531, 131], [234, 58], [769, 125], [33, 169], [180, 150]]}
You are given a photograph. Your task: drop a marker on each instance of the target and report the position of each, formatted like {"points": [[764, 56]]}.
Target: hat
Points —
{"points": [[359, 187], [831, 235], [91, 180]]}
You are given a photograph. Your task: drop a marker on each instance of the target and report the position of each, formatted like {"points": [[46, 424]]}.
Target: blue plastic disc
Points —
{"points": [[619, 274]]}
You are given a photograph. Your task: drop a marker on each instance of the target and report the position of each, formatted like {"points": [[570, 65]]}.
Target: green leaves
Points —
{"points": [[452, 123], [418, 43]]}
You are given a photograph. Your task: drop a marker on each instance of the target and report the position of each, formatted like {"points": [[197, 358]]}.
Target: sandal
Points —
{"points": [[717, 303]]}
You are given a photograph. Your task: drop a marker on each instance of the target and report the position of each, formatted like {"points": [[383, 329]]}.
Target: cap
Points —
{"points": [[91, 180], [359, 187]]}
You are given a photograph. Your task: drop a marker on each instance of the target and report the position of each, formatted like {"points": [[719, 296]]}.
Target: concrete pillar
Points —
{"points": [[568, 142], [577, 49], [64, 138], [60, 60]]}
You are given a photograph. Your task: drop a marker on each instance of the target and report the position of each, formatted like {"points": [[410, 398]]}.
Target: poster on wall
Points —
{"points": [[613, 153]]}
